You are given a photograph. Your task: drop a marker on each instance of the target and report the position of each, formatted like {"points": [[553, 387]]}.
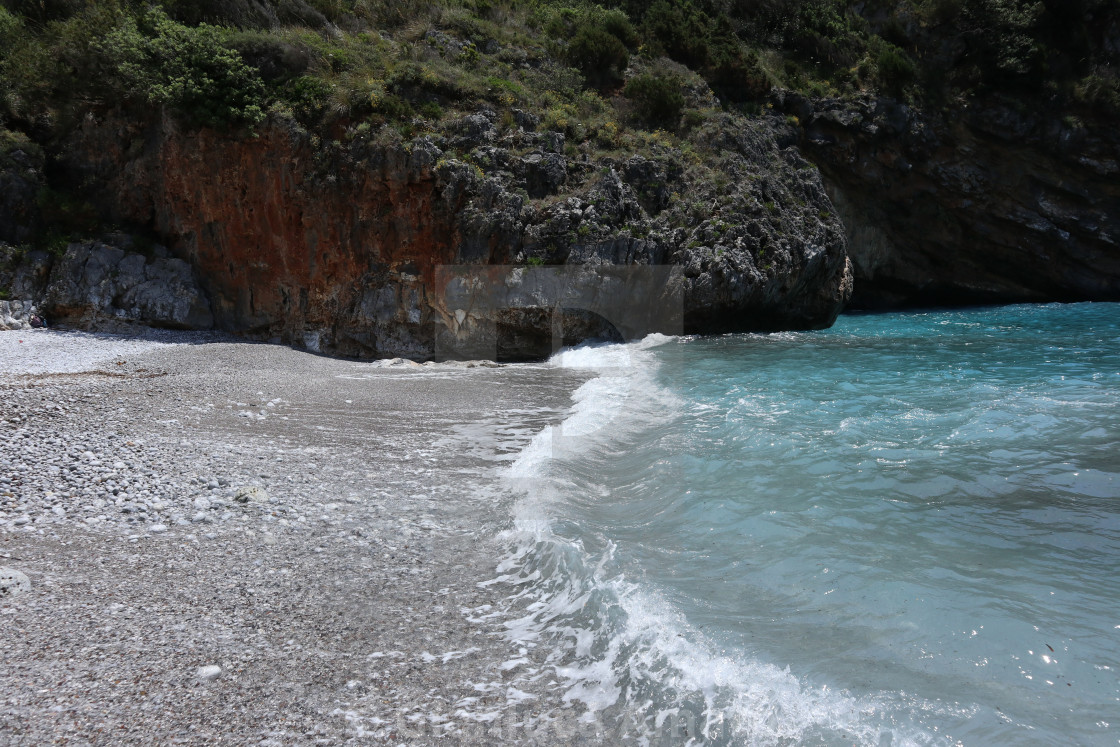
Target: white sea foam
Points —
{"points": [[622, 395], [622, 651]]}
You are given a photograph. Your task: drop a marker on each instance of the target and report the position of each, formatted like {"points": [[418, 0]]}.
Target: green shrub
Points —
{"points": [[50, 71], [1099, 92], [680, 29], [553, 21], [12, 141], [160, 61], [511, 91], [617, 24], [598, 40], [565, 21], [599, 55], [826, 33], [895, 68], [306, 95], [1003, 37], [9, 27], [431, 110], [414, 78], [735, 74], [692, 119], [657, 99], [274, 59], [393, 108]]}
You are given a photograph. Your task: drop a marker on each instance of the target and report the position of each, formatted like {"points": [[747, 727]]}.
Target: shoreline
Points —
{"points": [[317, 528]]}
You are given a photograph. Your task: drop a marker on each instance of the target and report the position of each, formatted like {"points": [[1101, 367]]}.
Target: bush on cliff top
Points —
{"points": [[47, 70], [160, 61], [108, 54]]}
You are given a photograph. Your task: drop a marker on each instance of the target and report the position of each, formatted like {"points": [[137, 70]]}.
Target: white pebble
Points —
{"points": [[251, 494], [13, 582], [209, 672]]}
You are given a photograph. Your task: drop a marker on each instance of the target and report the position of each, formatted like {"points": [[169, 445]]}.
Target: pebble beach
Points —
{"points": [[210, 541]]}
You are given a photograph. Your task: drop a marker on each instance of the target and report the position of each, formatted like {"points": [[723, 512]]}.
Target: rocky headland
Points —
{"points": [[377, 180], [206, 540], [980, 203], [363, 248], [341, 249]]}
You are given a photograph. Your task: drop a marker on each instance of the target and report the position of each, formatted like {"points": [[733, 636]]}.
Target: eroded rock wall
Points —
{"points": [[338, 247], [984, 203], [102, 286]]}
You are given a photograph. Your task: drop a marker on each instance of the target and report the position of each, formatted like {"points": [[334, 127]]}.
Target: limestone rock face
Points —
{"points": [[981, 204], [17, 315], [23, 277], [349, 248], [94, 284]]}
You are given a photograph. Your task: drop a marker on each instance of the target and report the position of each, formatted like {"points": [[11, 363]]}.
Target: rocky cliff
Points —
{"points": [[369, 249], [981, 203], [94, 285], [491, 239], [379, 179]]}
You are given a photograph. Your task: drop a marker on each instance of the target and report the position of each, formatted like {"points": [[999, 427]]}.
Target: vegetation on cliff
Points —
{"points": [[328, 61]]}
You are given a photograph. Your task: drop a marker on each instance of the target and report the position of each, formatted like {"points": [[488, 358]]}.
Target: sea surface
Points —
{"points": [[901, 530]]}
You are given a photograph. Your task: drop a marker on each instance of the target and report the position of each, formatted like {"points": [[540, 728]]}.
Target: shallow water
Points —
{"points": [[901, 530]]}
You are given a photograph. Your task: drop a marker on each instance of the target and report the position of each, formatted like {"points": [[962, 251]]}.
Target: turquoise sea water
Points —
{"points": [[901, 530]]}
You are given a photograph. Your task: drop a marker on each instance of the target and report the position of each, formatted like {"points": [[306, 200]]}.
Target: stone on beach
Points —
{"points": [[209, 672], [18, 315], [13, 582], [251, 494]]}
